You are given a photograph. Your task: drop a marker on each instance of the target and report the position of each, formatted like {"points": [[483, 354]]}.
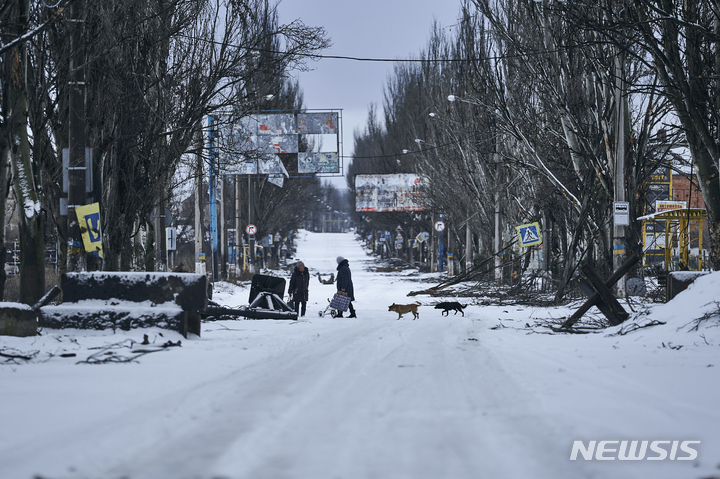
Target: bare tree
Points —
{"points": [[155, 70], [25, 172]]}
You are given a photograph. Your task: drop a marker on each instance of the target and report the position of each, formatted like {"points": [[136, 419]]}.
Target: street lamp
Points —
{"points": [[419, 142]]}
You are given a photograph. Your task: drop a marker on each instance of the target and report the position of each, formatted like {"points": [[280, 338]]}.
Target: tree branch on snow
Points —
{"points": [[12, 356], [108, 355], [715, 313], [628, 328]]}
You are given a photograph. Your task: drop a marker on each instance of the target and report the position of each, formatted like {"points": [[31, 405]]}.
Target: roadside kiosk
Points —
{"points": [[680, 227]]}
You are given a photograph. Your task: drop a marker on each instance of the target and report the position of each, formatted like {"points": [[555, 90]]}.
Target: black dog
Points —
{"points": [[448, 306]]}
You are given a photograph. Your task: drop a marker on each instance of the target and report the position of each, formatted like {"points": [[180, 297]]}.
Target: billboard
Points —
{"points": [[393, 192], [317, 123], [275, 124], [243, 142], [318, 163]]}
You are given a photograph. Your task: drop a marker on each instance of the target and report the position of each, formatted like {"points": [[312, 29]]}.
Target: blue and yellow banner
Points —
{"points": [[89, 219]]}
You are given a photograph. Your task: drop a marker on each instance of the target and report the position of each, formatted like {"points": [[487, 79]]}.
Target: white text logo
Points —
{"points": [[635, 450]]}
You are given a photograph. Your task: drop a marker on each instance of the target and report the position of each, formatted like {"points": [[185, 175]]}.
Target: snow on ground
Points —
{"points": [[485, 395]]}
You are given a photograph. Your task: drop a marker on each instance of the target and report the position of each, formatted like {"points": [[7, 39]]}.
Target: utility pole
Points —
{"points": [[222, 234], [251, 238], [212, 153], [441, 252], [433, 245], [619, 248], [199, 230], [238, 229], [468, 247], [498, 209], [76, 260]]}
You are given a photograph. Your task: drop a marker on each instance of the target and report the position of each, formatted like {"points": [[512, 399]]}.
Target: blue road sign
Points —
{"points": [[529, 235]]}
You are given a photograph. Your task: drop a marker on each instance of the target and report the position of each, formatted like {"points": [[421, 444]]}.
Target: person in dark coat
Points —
{"points": [[299, 287], [344, 283]]}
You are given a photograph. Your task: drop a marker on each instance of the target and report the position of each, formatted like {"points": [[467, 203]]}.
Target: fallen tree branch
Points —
{"points": [[630, 327], [467, 276], [12, 357], [710, 314], [108, 355]]}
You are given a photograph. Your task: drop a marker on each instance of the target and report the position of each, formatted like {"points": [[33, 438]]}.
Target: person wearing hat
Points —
{"points": [[345, 284], [299, 287]]}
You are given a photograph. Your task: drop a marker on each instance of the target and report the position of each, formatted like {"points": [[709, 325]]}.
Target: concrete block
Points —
{"points": [[17, 319], [188, 290]]}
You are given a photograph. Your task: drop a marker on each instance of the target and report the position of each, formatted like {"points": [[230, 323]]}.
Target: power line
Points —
{"points": [[319, 56], [396, 155]]}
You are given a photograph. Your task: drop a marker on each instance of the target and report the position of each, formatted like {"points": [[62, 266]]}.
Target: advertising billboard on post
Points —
{"points": [[244, 142], [391, 192]]}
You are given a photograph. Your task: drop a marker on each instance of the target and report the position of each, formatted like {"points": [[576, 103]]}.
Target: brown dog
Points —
{"points": [[401, 309]]}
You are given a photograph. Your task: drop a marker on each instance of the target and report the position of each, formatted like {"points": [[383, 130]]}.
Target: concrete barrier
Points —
{"points": [[17, 319], [126, 300]]}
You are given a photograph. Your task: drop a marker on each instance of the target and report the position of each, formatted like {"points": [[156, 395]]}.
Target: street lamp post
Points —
{"points": [[619, 248], [440, 247], [498, 197], [212, 153], [251, 195], [468, 230]]}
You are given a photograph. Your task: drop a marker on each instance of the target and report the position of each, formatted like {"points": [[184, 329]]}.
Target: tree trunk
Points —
{"points": [[31, 224], [577, 234], [4, 152]]}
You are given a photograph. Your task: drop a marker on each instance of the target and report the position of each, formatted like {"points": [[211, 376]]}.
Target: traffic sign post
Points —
{"points": [[529, 234], [440, 227], [251, 229]]}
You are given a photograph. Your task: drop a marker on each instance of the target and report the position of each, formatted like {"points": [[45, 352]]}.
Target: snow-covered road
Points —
{"points": [[372, 397]]}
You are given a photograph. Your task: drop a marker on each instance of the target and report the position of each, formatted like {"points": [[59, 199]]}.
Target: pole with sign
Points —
{"points": [[212, 174], [440, 227], [529, 234]]}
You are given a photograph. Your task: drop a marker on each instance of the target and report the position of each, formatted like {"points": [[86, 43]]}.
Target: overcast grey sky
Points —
{"points": [[392, 29]]}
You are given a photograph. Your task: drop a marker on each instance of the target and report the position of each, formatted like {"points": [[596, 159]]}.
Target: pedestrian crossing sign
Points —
{"points": [[529, 235]]}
